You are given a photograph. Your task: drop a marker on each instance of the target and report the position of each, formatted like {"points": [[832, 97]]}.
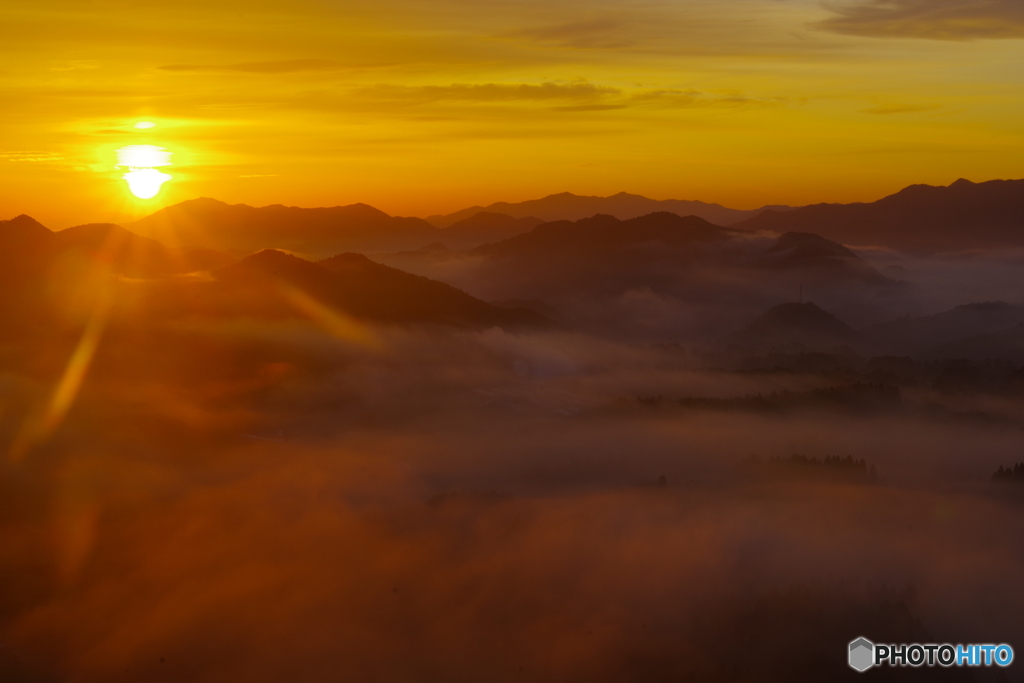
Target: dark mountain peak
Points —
{"points": [[23, 242], [271, 257], [491, 219], [809, 244], [623, 205], [353, 283], [360, 208], [95, 235], [804, 314], [667, 217], [603, 232], [985, 307], [204, 202], [908, 336], [486, 216], [348, 261], [271, 262], [797, 323], [319, 232], [964, 215], [814, 259], [599, 219], [23, 227], [24, 220], [93, 227]]}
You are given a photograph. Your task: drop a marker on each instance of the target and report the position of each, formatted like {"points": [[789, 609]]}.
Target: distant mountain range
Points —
{"points": [[963, 216], [980, 331], [42, 271], [570, 207], [664, 242], [319, 232], [959, 217], [657, 274], [944, 334], [355, 285], [28, 245]]}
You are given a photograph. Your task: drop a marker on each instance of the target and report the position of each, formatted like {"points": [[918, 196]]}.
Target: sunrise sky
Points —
{"points": [[426, 106]]}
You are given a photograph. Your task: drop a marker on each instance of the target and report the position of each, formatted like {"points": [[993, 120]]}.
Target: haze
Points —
{"points": [[558, 341], [422, 108]]}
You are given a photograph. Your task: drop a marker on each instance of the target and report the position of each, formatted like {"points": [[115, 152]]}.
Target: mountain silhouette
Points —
{"points": [[319, 232], [23, 234], [24, 244], [917, 335], [484, 227], [133, 255], [661, 239], [624, 206], [359, 287], [27, 247], [607, 234], [1006, 345], [659, 275], [815, 258], [964, 215], [796, 324]]}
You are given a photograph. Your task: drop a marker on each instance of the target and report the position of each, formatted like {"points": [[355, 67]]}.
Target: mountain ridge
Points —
{"points": [[926, 218], [368, 290], [623, 205]]}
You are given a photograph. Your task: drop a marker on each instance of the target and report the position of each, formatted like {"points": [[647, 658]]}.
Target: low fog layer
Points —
{"points": [[486, 505], [640, 460]]}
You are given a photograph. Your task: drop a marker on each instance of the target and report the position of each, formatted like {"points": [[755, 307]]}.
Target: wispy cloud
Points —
{"points": [[685, 99], [31, 156], [900, 108], [597, 33], [277, 67], [564, 97], [932, 19], [490, 92]]}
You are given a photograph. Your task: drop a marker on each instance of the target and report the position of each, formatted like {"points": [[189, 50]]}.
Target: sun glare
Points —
{"points": [[145, 125], [144, 180]]}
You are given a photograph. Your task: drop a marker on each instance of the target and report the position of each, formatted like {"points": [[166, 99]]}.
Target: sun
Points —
{"points": [[142, 161]]}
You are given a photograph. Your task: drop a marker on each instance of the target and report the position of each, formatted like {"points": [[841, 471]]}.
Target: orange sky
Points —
{"points": [[425, 106]]}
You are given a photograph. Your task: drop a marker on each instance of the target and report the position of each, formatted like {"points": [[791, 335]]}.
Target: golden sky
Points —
{"points": [[425, 106]]}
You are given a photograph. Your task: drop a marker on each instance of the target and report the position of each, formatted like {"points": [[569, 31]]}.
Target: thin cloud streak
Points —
{"points": [[287, 66], [900, 109], [930, 19]]}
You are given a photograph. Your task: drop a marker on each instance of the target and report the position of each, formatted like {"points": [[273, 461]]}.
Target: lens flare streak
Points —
{"points": [[39, 429], [334, 322]]}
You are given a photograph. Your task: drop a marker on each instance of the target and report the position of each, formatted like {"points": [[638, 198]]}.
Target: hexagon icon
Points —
{"points": [[862, 654]]}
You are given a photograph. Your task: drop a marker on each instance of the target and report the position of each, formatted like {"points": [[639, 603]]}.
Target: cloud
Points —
{"points": [[930, 19], [685, 99], [577, 96], [277, 67], [607, 33], [590, 107], [491, 92], [31, 156], [900, 108]]}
